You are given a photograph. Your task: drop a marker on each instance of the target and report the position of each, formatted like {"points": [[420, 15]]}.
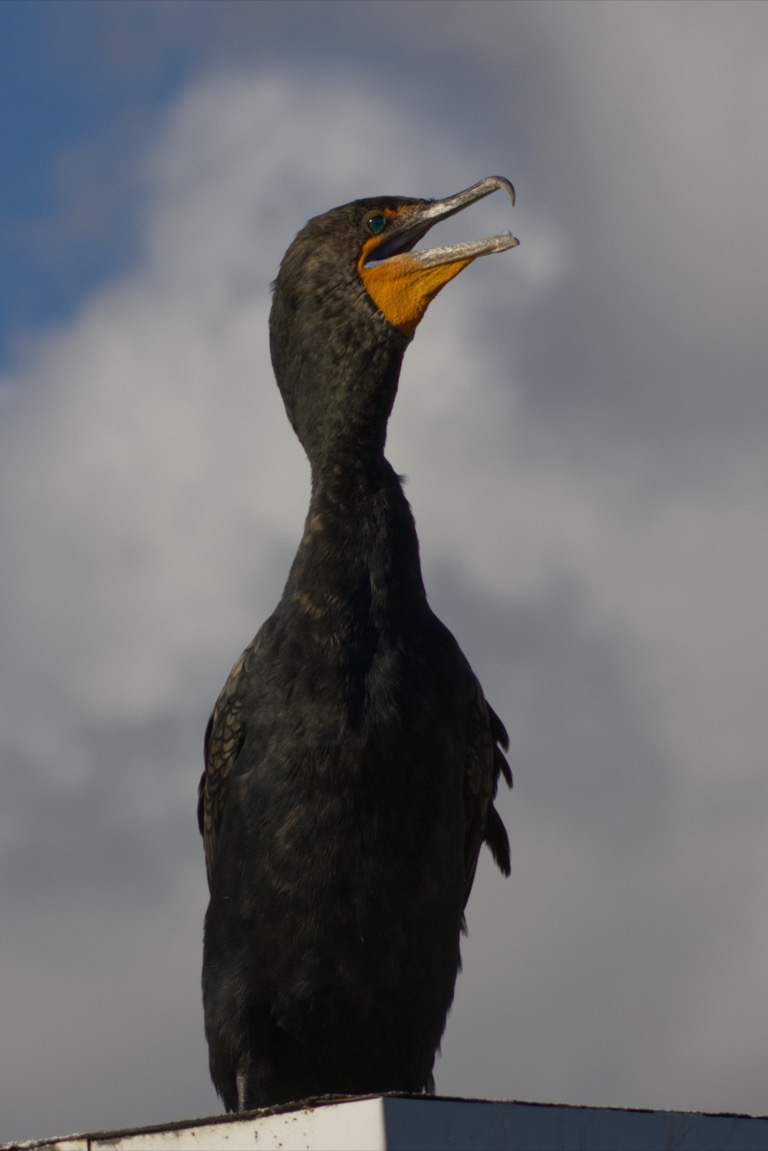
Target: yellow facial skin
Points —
{"points": [[402, 287]]}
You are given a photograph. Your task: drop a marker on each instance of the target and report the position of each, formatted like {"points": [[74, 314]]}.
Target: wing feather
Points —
{"points": [[486, 762], [224, 738]]}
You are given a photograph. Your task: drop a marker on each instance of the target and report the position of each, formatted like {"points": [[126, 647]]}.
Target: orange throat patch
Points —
{"points": [[402, 288]]}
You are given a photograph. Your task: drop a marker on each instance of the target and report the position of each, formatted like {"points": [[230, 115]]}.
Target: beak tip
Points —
{"points": [[507, 185]]}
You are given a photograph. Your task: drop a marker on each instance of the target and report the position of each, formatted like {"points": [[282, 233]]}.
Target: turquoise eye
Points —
{"points": [[377, 224]]}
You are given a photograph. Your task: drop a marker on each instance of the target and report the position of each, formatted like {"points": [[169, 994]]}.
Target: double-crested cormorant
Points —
{"points": [[351, 760]]}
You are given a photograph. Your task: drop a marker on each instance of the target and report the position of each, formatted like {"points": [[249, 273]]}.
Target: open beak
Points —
{"points": [[403, 282], [414, 221]]}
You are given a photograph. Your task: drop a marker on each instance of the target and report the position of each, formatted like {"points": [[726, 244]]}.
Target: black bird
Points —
{"points": [[351, 760]]}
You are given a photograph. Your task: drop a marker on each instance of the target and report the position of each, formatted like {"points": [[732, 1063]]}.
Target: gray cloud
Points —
{"points": [[582, 423]]}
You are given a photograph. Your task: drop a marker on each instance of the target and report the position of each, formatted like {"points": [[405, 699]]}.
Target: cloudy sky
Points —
{"points": [[583, 423]]}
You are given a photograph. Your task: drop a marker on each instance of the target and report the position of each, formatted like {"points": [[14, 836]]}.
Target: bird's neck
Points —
{"points": [[359, 552]]}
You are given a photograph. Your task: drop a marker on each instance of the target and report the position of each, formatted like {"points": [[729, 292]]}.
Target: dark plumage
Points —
{"points": [[351, 760]]}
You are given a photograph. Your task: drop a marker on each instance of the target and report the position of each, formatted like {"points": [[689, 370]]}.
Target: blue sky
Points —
{"points": [[583, 425], [62, 101]]}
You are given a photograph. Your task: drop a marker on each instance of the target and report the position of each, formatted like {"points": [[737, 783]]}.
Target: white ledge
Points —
{"points": [[419, 1123]]}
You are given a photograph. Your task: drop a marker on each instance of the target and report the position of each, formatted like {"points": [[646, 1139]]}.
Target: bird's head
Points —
{"points": [[349, 295]]}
